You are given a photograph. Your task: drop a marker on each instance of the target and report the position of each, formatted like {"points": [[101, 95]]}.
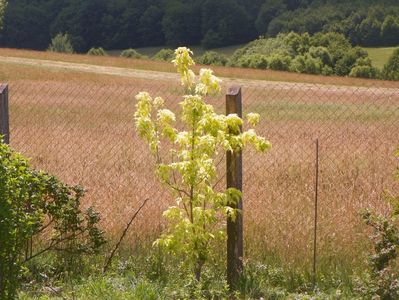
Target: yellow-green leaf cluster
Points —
{"points": [[188, 147]]}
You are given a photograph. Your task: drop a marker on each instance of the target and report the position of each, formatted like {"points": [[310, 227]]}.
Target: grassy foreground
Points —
{"points": [[157, 276]]}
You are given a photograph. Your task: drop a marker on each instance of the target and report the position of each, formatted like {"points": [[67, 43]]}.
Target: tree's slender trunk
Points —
{"points": [[198, 269]]}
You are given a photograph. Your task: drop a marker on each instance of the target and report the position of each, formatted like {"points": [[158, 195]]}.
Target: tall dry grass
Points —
{"points": [[80, 127]]}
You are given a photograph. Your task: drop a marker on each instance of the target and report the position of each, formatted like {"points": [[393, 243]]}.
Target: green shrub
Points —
{"points": [[363, 72], [61, 43], [256, 61], [313, 65], [391, 69], [298, 43], [382, 281], [164, 55], [327, 71], [336, 43], [363, 68], [298, 64], [212, 58], [263, 46], [306, 64], [359, 52], [322, 54], [345, 64], [97, 52], [31, 203], [279, 61], [132, 53], [243, 62]]}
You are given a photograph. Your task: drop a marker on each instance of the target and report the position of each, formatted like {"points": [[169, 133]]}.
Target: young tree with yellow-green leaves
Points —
{"points": [[186, 161]]}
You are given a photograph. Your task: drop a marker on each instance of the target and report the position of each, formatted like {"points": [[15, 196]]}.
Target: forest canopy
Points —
{"points": [[123, 24]]}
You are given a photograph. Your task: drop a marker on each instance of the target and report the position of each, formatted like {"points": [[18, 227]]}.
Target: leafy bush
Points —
{"points": [[280, 62], [187, 163], [164, 55], [298, 43], [391, 68], [61, 43], [363, 68], [212, 58], [298, 64], [34, 203], [327, 71], [323, 53], [337, 44], [97, 52], [263, 46], [345, 64], [243, 61], [306, 64], [383, 279], [257, 61], [313, 65], [132, 53]]}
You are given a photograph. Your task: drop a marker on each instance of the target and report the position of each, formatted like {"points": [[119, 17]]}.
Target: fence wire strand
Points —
{"points": [[83, 132]]}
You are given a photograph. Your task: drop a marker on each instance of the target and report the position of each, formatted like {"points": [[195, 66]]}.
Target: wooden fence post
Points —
{"points": [[4, 113], [235, 247]]}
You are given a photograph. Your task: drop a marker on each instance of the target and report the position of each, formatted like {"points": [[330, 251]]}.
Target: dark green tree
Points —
{"points": [[181, 23], [226, 20], [390, 31], [26, 26], [269, 10], [369, 32], [391, 68], [150, 27]]}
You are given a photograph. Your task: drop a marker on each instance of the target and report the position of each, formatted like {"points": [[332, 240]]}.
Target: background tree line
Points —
{"points": [[122, 24]]}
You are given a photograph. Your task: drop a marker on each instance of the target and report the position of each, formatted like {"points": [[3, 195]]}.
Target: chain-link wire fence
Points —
{"points": [[83, 132]]}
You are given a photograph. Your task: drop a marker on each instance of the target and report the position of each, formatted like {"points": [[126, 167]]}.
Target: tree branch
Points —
{"points": [[108, 262]]}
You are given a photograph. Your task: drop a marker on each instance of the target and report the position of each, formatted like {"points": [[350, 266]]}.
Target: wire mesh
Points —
{"points": [[83, 132]]}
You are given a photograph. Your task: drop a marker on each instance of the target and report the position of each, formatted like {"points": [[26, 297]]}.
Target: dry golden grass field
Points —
{"points": [[78, 124]]}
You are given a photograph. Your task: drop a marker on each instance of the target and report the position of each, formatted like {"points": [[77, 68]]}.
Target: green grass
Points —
{"points": [[380, 56], [198, 50], [154, 276]]}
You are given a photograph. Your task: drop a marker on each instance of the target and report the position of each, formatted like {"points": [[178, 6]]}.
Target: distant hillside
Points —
{"points": [[121, 24]]}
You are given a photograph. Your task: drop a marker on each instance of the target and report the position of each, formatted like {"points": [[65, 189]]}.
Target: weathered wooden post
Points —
{"points": [[235, 247], [4, 113]]}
